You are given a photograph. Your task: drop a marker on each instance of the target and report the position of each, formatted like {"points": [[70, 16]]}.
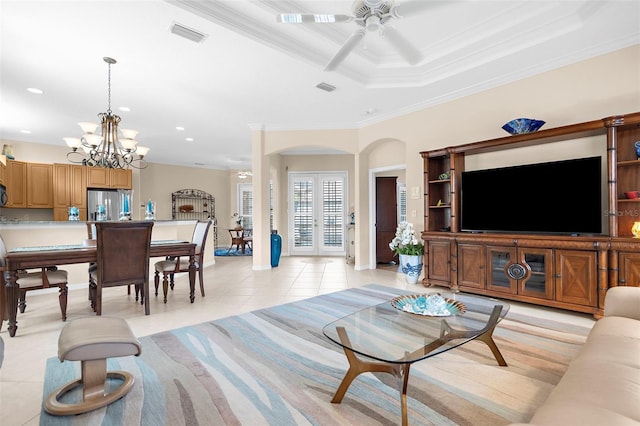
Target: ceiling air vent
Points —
{"points": [[326, 87], [187, 33]]}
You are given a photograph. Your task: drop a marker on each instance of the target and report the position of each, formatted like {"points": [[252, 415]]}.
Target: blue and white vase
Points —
{"points": [[637, 147], [411, 267]]}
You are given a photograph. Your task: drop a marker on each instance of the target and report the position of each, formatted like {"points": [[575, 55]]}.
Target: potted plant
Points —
{"points": [[409, 249], [238, 219]]}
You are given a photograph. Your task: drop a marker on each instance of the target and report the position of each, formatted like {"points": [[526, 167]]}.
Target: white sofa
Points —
{"points": [[602, 384]]}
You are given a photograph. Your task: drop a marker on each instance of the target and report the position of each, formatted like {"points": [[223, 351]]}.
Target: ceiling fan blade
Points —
{"points": [[346, 48], [408, 51], [411, 7], [313, 18]]}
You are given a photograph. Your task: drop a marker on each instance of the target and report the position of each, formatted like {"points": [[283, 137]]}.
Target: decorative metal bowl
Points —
{"points": [[519, 126], [419, 304]]}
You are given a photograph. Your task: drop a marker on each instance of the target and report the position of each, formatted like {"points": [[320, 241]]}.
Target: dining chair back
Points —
{"points": [[122, 258], [173, 265], [37, 280]]}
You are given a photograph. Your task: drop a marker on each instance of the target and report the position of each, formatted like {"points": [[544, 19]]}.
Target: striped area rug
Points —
{"points": [[274, 367]]}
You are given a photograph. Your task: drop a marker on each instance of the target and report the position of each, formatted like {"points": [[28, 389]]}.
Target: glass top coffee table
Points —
{"points": [[391, 339]]}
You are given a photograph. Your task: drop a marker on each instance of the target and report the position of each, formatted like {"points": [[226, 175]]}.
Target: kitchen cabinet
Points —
{"points": [[39, 186], [69, 189], [100, 177], [3, 173], [16, 184]]}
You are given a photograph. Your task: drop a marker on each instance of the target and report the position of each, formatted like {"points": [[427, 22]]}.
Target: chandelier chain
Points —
{"points": [[109, 90]]}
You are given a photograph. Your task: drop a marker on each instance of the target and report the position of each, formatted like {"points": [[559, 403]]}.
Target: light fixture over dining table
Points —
{"points": [[107, 149]]}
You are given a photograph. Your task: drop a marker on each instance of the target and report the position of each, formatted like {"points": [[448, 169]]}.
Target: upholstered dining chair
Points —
{"points": [[122, 259], [32, 280], [173, 265], [91, 237]]}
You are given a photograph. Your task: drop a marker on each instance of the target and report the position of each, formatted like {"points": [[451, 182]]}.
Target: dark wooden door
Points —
{"points": [[386, 218]]}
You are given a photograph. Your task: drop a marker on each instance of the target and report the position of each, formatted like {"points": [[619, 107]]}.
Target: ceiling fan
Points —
{"points": [[372, 16]]}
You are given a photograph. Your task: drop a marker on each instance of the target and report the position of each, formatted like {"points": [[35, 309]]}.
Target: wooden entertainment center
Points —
{"points": [[561, 271]]}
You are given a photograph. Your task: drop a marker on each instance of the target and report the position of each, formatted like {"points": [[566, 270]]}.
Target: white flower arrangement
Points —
{"points": [[405, 241]]}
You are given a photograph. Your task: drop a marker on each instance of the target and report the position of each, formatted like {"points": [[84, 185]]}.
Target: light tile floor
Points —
{"points": [[231, 287]]}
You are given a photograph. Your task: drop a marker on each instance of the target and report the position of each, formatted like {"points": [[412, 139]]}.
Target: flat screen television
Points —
{"points": [[561, 197]]}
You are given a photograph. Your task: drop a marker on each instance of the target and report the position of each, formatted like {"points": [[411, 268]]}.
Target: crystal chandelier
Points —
{"points": [[107, 149]]}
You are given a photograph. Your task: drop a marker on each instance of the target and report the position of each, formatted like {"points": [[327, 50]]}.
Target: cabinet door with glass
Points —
{"points": [[538, 281], [498, 260], [522, 271]]}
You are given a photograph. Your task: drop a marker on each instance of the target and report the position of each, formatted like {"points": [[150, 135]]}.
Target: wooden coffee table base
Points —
{"points": [[400, 369], [358, 366]]}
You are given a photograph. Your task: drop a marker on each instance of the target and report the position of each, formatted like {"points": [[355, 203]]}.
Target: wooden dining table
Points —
{"points": [[46, 256]]}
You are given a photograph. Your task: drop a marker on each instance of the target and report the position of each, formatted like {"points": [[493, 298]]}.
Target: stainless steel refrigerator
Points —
{"points": [[109, 198]]}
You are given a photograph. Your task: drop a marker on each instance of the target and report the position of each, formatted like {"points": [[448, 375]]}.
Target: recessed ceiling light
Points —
{"points": [[126, 109], [179, 128], [188, 139], [34, 90], [28, 132]]}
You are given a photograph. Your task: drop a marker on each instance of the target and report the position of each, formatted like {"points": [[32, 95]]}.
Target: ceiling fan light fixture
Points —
{"points": [[373, 3], [373, 23], [324, 19], [290, 18]]}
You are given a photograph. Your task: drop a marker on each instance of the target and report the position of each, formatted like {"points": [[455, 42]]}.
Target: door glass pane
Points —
{"points": [[402, 203], [333, 213], [303, 213], [246, 205], [498, 261], [537, 279]]}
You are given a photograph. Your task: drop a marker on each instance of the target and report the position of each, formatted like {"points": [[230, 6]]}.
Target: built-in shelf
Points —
{"points": [[195, 204]]}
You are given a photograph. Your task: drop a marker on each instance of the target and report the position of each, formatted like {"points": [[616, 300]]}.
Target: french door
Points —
{"points": [[317, 212]]}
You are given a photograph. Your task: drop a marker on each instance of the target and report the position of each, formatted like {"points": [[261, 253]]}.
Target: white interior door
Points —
{"points": [[317, 213]]}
